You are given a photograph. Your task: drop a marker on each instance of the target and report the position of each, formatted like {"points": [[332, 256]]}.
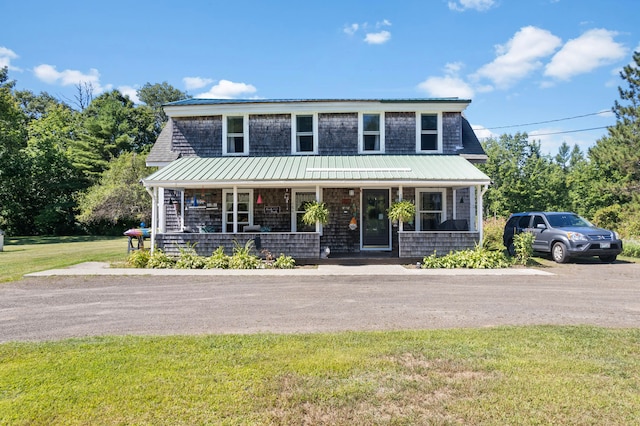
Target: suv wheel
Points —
{"points": [[608, 259], [511, 249], [559, 253]]}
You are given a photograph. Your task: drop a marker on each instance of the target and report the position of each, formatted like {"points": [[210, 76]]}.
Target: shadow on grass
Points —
{"points": [[19, 241]]}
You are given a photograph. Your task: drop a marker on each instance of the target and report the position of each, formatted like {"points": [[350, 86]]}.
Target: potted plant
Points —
{"points": [[315, 212], [402, 211]]}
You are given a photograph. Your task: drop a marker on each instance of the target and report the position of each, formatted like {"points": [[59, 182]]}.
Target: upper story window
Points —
{"points": [[235, 131], [371, 133], [429, 137], [304, 131]]}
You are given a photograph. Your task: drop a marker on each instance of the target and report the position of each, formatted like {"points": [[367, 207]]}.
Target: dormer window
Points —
{"points": [[304, 131], [236, 135], [371, 133], [427, 131]]}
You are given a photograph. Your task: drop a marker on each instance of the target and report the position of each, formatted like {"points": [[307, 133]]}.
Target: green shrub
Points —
{"points": [[631, 248], [160, 260], [218, 260], [189, 258], [138, 258], [493, 229], [523, 245], [284, 262], [478, 258], [243, 258]]}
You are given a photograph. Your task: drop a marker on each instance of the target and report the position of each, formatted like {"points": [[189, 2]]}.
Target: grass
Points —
{"points": [[23, 255], [506, 375]]}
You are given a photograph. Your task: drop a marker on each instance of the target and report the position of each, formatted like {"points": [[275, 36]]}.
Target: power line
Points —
{"points": [[548, 121], [567, 131]]}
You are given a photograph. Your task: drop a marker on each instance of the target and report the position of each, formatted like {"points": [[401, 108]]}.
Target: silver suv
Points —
{"points": [[563, 234]]}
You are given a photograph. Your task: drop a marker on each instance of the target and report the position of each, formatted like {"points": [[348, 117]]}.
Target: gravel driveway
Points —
{"points": [[56, 307]]}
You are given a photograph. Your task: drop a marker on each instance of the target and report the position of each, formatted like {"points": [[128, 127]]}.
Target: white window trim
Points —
{"points": [[245, 134], [235, 209], [294, 134], [419, 132], [294, 204], [443, 212], [361, 149]]}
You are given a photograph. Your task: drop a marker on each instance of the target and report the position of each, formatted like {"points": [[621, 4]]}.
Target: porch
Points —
{"points": [[211, 202]]}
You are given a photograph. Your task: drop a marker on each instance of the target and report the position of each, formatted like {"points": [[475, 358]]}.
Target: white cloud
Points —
{"points": [[226, 89], [378, 38], [519, 56], [351, 29], [591, 50], [132, 92], [479, 5], [196, 82], [482, 132], [6, 55], [448, 86], [49, 74]]}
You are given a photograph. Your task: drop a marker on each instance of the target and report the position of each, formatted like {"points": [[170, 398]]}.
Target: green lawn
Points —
{"points": [[23, 255], [506, 375]]}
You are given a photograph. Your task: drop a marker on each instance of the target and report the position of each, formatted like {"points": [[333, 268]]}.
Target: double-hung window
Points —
{"points": [[371, 131], [300, 200], [431, 208], [235, 130], [304, 131], [429, 138]]}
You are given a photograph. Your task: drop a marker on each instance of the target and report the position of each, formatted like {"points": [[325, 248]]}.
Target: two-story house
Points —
{"points": [[233, 170]]}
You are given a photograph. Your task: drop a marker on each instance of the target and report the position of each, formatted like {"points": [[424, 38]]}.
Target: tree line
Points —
{"points": [[66, 170], [602, 184]]}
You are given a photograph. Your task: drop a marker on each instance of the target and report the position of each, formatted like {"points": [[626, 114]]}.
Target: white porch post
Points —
{"points": [[162, 212], [400, 222], [319, 199], [473, 225], [154, 216], [235, 209], [182, 209], [480, 210], [455, 204]]}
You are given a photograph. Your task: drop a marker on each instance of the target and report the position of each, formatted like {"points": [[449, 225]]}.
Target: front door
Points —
{"points": [[375, 222]]}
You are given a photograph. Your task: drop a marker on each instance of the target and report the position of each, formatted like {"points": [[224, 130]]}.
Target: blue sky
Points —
{"points": [[519, 61]]}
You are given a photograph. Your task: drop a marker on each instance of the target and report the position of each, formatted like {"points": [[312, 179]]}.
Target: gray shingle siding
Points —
{"points": [[338, 134], [400, 133], [451, 132], [201, 136], [269, 135]]}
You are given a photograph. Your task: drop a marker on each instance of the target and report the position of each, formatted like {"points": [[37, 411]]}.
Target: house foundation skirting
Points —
{"points": [[420, 244], [298, 245]]}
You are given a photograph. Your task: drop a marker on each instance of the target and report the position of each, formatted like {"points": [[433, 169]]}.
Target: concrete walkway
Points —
{"points": [[100, 268]]}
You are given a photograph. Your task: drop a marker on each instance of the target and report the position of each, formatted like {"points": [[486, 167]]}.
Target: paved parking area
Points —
{"points": [[62, 306]]}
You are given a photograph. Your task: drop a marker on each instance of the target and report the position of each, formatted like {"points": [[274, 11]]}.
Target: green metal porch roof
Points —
{"points": [[318, 170]]}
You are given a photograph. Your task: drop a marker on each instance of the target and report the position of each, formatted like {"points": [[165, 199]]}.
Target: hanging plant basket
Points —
{"points": [[315, 212], [402, 211]]}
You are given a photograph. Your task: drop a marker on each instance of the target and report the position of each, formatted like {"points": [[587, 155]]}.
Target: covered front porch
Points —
{"points": [[207, 213]]}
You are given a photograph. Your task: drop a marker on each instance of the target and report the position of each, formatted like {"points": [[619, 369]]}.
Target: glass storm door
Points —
{"points": [[375, 222]]}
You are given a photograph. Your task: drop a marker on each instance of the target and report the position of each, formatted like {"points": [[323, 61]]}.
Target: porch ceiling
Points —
{"points": [[318, 170]]}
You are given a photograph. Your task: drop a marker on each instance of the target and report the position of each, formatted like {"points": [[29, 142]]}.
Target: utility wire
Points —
{"points": [[549, 121], [567, 131]]}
